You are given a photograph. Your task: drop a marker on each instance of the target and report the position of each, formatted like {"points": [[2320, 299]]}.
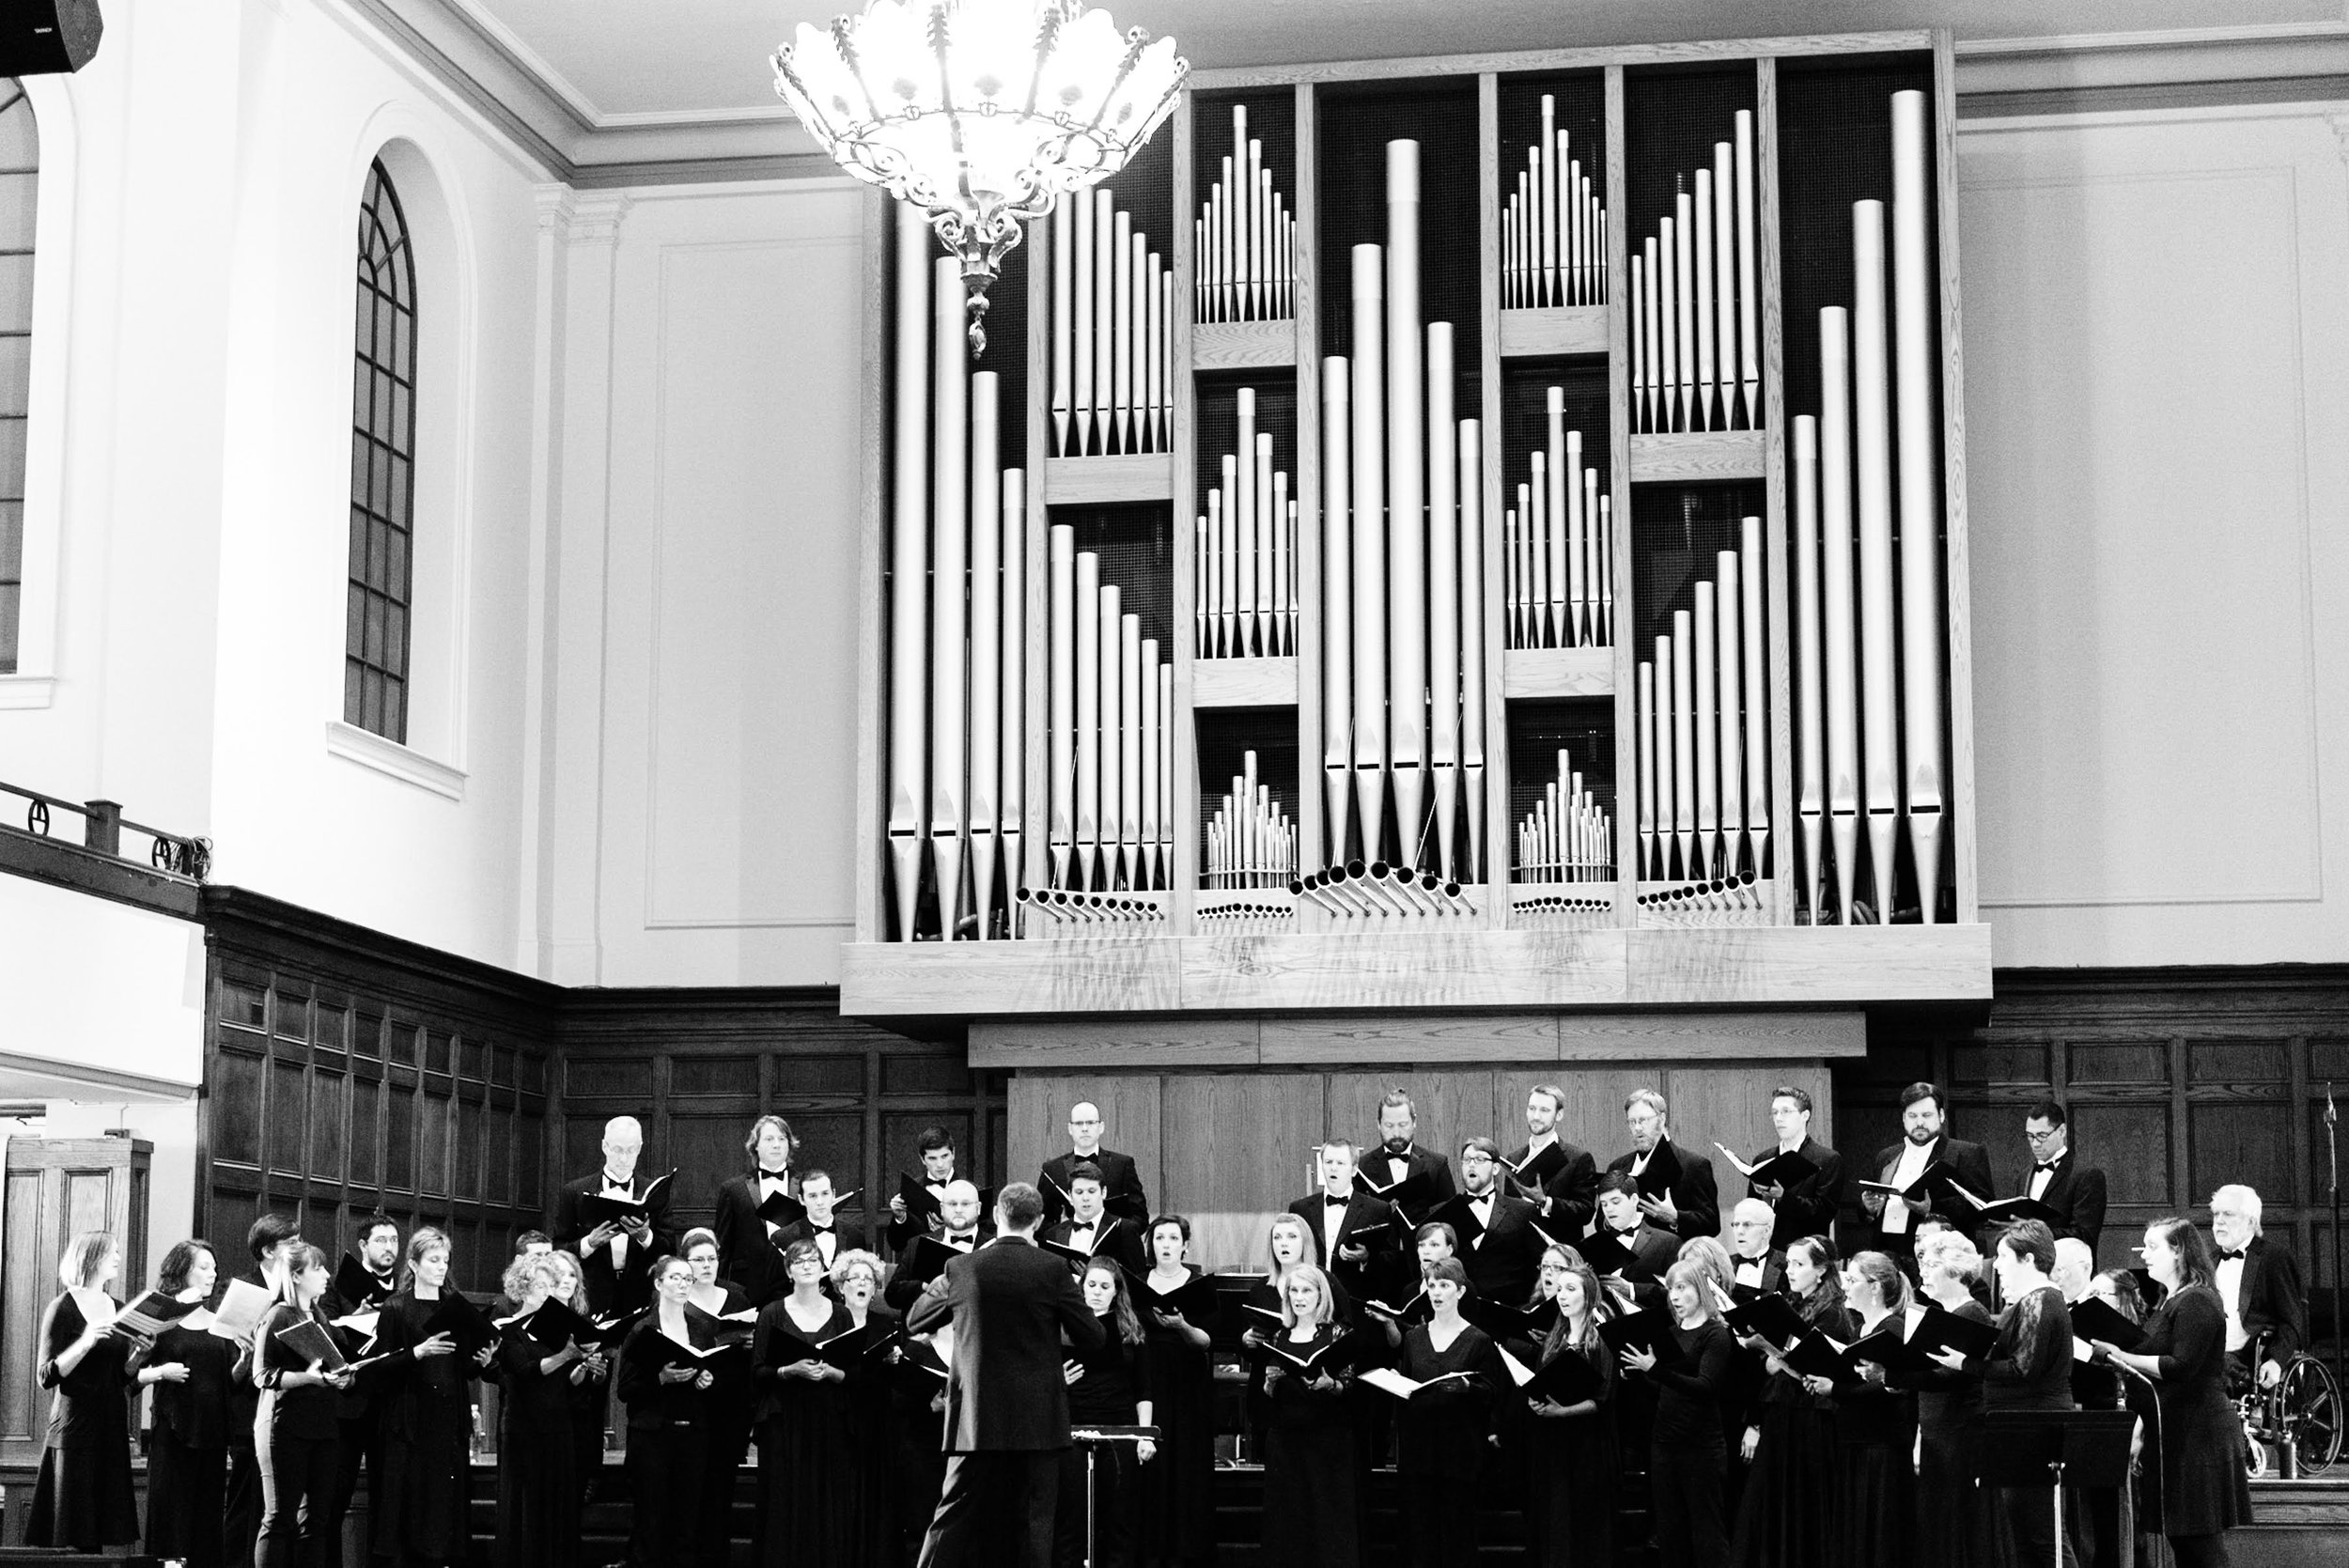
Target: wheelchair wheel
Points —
{"points": [[2309, 1403]]}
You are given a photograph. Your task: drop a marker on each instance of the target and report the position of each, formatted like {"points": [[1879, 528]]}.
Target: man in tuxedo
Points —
{"points": [[1675, 1184], [1351, 1231], [617, 1255], [1561, 1178], [1013, 1307], [936, 1148], [1501, 1252], [2260, 1282], [2059, 1180], [1398, 1158], [1809, 1207], [1621, 1215], [1093, 1231], [1121, 1184], [961, 1230], [1922, 1143], [752, 1261], [356, 1407], [821, 1226], [268, 1242]]}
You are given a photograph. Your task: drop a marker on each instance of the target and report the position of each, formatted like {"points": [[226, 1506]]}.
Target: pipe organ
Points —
{"points": [[1560, 444]]}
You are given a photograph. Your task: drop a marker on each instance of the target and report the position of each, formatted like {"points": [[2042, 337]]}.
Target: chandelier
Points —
{"points": [[981, 113]]}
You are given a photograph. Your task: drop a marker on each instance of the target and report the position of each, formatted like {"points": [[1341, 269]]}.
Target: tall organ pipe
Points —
{"points": [[1062, 326], [1105, 253], [1012, 798], [949, 504], [1444, 595], [1683, 746], [1730, 645], [1646, 723], [1879, 674], [1471, 492], [1154, 803], [1839, 610], [1551, 498], [1061, 703], [1810, 755], [1667, 757], [1337, 605], [1920, 572], [987, 603], [1087, 609], [1748, 310], [1701, 244], [1370, 549], [1078, 207], [1725, 272], [1757, 727], [908, 570], [1113, 731], [1247, 526], [1129, 675], [1407, 557], [1709, 752]]}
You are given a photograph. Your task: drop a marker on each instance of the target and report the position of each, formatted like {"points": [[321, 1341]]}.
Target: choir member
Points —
{"points": [[1756, 1262], [588, 1395], [1504, 1252], [1808, 1206], [856, 1279], [1121, 1183], [1620, 1215], [2075, 1192], [936, 1148], [1177, 1494], [2029, 1368], [1562, 1177], [360, 1445], [806, 1451], [917, 1401], [1285, 1249], [1686, 1460], [822, 1226], [268, 1242], [2116, 1288], [1922, 1145], [1573, 1468], [662, 1380], [2259, 1284], [1785, 1515], [1311, 1499], [432, 1349], [186, 1457], [2102, 1512], [2192, 1466], [753, 1259], [1399, 1159], [81, 1497], [614, 1254], [1350, 1229], [1446, 1427], [727, 1409], [538, 1484], [1742, 1386], [1089, 1229], [1108, 1386], [961, 1231], [1675, 1184], [1955, 1519], [296, 1430], [1875, 1430]]}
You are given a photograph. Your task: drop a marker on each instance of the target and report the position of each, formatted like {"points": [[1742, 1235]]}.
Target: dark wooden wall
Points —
{"points": [[2175, 1082]]}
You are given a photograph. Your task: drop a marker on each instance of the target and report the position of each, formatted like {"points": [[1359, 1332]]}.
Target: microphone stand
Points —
{"points": [[2332, 1154]]}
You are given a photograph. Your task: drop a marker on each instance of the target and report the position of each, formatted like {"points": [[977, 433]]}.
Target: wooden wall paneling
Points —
{"points": [[1595, 1090], [56, 1189], [24, 1293], [1037, 1106], [1732, 1104], [1408, 1041], [1244, 1152]]}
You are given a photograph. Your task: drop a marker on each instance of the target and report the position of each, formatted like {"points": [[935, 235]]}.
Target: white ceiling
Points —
{"points": [[666, 62]]}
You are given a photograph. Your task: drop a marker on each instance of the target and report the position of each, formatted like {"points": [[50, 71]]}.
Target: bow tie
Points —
{"points": [[2046, 1165], [2237, 1254], [1335, 1203], [820, 1230], [774, 1175]]}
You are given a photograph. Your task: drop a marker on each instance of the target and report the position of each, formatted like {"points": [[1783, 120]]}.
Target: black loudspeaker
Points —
{"points": [[40, 37]]}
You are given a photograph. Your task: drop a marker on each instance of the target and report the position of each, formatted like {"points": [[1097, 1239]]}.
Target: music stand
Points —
{"points": [[2056, 1449], [1092, 1437]]}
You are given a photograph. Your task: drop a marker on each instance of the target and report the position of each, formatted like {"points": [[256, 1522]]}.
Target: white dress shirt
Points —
{"points": [[1332, 1227], [1912, 1164], [2040, 1176], [2230, 1283], [625, 1191]]}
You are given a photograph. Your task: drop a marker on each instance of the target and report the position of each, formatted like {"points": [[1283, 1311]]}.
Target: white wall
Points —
{"points": [[2157, 383]]}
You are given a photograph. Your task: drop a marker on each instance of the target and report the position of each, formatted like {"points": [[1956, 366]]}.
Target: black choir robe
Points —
{"points": [[1808, 1207], [1564, 1174], [1361, 1281], [1505, 1263], [2270, 1302], [1691, 1189], [628, 1289], [2077, 1192], [1379, 1165], [1973, 1174], [745, 1255]]}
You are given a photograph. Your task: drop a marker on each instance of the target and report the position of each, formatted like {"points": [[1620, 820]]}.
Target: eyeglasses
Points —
{"points": [[2031, 1136]]}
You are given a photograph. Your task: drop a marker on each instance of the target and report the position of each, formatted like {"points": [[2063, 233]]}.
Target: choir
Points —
{"points": [[1542, 1330]]}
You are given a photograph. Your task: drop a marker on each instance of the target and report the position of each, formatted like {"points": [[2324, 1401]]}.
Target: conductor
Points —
{"points": [[1010, 1303]]}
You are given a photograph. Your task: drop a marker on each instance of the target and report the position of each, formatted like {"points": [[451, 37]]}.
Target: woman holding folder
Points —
{"points": [[1784, 1517], [1875, 1429], [1264, 1307], [729, 1408], [296, 1433], [1176, 1495], [1573, 1469], [1107, 1386], [665, 1377], [537, 1462], [1313, 1511], [800, 1354], [1446, 1425], [1688, 1460], [856, 1278], [186, 1457], [588, 1383], [430, 1344], [1953, 1515]]}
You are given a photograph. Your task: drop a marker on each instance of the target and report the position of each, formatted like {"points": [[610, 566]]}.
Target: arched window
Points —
{"points": [[382, 454], [19, 177]]}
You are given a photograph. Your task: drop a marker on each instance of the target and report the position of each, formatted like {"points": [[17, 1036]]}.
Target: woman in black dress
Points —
{"points": [[1177, 1491], [1786, 1515], [2029, 1368], [806, 1452], [1286, 1247], [1312, 1514], [187, 1458], [1572, 1467], [732, 1398], [1687, 1460], [434, 1345], [297, 1434], [856, 1278], [1106, 1387], [1446, 1427], [2192, 1466], [663, 1382], [81, 1498], [1954, 1517], [537, 1462], [1875, 1429], [587, 1385]]}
